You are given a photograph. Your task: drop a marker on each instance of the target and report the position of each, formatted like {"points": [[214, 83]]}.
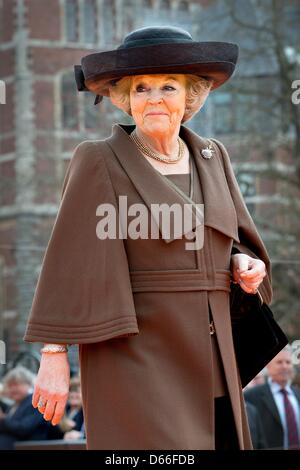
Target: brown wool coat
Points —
{"points": [[139, 308]]}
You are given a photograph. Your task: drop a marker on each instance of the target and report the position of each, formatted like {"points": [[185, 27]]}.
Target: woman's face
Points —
{"points": [[17, 391], [158, 102], [75, 398]]}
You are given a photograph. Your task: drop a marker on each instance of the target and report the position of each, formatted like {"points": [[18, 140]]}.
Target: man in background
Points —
{"points": [[278, 403]]}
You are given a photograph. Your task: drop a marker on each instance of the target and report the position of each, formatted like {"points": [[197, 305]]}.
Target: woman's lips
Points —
{"points": [[156, 114]]}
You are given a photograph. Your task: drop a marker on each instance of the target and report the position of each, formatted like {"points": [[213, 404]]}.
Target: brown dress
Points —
{"points": [[140, 308], [183, 181]]}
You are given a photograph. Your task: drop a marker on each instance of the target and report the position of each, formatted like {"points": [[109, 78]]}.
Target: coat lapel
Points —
{"points": [[153, 188], [219, 208]]}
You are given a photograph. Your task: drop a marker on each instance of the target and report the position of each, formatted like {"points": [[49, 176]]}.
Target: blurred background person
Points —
{"points": [[75, 435], [254, 420], [259, 379], [278, 403], [21, 422], [5, 403], [255, 426]]}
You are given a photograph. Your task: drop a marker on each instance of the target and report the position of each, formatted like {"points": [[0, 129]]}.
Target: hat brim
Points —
{"points": [[213, 60], [219, 73]]}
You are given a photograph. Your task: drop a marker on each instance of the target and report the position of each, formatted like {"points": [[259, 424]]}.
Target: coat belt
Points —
{"points": [[179, 280]]}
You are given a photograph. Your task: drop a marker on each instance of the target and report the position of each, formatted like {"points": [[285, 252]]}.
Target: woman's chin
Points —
{"points": [[157, 123]]}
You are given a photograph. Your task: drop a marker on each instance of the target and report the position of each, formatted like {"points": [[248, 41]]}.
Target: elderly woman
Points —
{"points": [[21, 422], [148, 308]]}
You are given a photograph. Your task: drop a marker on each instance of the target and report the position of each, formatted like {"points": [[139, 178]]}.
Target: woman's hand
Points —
{"points": [[247, 272], [52, 386]]}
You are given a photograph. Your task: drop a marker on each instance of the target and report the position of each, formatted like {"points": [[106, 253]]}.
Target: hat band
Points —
{"points": [[150, 42]]}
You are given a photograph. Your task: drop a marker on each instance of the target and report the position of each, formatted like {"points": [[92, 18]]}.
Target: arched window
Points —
{"points": [[71, 18], [183, 5], [69, 102], [247, 184], [244, 110], [108, 21], [223, 117], [182, 16], [165, 5], [90, 21], [91, 112]]}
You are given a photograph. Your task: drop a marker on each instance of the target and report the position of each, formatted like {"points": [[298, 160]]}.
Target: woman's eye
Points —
{"points": [[140, 88]]}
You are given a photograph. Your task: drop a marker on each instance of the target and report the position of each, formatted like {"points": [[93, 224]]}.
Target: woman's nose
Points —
{"points": [[155, 95]]}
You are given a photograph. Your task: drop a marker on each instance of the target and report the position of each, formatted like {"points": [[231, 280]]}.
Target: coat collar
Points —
{"points": [[219, 210]]}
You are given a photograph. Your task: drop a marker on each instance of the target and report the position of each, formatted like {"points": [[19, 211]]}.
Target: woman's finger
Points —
{"points": [[42, 403], [255, 271], [247, 288], [251, 275], [35, 398], [257, 268], [49, 410], [59, 411], [242, 263], [250, 284]]}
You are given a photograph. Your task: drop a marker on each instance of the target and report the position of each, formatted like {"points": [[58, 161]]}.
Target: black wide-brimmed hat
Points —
{"points": [[156, 50]]}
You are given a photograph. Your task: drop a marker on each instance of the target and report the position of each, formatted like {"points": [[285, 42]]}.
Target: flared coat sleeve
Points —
{"points": [[250, 240], [83, 294]]}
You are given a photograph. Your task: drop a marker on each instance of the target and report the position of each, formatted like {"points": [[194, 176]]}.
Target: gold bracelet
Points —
{"points": [[54, 348]]}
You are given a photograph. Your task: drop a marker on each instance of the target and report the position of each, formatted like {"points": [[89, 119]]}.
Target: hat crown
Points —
{"points": [[155, 35], [156, 50]]}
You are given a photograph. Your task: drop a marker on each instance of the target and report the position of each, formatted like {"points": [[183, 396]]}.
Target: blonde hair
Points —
{"points": [[20, 375], [197, 90]]}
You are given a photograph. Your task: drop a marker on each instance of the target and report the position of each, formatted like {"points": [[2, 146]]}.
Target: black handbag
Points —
{"points": [[257, 337]]}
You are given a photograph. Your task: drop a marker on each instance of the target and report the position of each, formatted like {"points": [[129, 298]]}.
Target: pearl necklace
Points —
{"points": [[157, 156]]}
